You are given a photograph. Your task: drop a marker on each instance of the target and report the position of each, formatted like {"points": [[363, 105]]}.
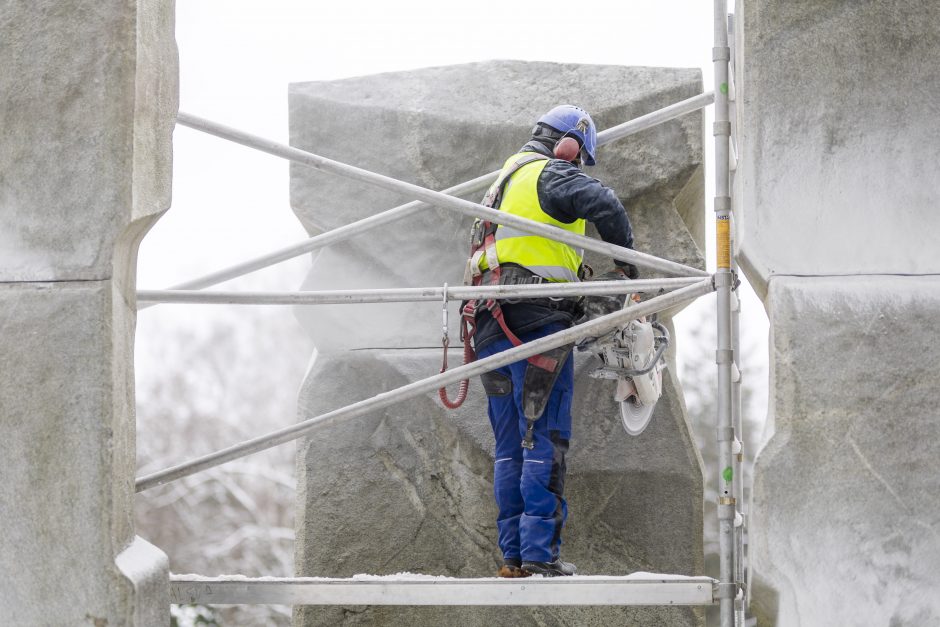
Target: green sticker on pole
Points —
{"points": [[727, 474], [723, 88]]}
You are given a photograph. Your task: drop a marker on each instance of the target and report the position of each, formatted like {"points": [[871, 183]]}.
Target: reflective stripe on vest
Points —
{"points": [[555, 261]]}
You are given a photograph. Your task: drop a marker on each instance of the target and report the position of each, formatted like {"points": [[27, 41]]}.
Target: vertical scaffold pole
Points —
{"points": [[737, 409], [740, 518], [724, 355]]}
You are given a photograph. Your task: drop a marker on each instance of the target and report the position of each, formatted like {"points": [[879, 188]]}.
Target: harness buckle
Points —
{"points": [[472, 271]]}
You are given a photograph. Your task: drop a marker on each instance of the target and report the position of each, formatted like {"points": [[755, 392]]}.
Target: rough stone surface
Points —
{"points": [[411, 126], [410, 488], [838, 111], [838, 146], [846, 507], [89, 100]]}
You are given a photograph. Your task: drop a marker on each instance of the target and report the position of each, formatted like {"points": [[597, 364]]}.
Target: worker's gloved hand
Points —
{"points": [[628, 271], [613, 275], [597, 306], [619, 274]]}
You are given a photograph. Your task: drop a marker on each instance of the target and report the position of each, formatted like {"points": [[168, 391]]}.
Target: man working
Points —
{"points": [[531, 399]]}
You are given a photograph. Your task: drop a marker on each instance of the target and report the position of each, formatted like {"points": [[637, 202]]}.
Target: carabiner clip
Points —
{"points": [[444, 339]]}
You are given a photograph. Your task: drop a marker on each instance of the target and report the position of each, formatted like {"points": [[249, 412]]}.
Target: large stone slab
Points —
{"points": [[89, 103], [68, 476], [839, 141], [846, 507], [410, 488], [415, 127], [838, 146]]}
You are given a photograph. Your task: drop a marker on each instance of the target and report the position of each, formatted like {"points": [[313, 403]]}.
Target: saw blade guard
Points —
{"points": [[633, 355]]}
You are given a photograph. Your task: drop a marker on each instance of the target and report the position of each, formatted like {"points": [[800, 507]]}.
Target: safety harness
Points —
{"points": [[483, 244]]}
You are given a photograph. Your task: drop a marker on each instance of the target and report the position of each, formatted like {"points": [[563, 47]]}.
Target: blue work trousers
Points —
{"points": [[529, 484]]}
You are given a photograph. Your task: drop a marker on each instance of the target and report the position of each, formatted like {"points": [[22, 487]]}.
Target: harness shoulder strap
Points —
{"points": [[495, 194], [487, 246]]}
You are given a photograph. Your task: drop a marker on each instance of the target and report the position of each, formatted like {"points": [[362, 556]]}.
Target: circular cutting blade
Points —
{"points": [[635, 415]]}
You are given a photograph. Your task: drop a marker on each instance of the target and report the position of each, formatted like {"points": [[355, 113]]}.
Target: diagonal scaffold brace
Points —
{"points": [[595, 327], [478, 184]]}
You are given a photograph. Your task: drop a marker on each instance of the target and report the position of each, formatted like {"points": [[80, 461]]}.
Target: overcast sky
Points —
{"points": [[237, 57]]}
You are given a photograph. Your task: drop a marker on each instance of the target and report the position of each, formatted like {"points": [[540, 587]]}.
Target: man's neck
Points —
{"points": [[539, 145]]}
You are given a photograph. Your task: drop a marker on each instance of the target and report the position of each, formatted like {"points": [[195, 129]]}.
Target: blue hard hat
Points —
{"points": [[576, 122]]}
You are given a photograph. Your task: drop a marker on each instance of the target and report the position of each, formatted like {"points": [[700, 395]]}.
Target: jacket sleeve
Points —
{"points": [[567, 194]]}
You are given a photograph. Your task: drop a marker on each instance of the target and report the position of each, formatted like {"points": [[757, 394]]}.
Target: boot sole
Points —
{"points": [[512, 572]]}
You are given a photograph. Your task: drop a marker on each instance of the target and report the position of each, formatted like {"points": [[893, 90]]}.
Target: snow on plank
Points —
{"points": [[413, 589]]}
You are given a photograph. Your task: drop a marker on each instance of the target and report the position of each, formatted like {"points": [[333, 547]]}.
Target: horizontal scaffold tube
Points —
{"points": [[478, 184], [414, 294], [593, 328], [436, 198], [333, 236]]}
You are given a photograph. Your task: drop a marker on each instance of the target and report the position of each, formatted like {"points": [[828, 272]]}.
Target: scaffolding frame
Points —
{"points": [[593, 328], [478, 184], [728, 591]]}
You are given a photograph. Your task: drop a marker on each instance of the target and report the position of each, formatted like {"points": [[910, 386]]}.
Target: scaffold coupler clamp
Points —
{"points": [[725, 279]]}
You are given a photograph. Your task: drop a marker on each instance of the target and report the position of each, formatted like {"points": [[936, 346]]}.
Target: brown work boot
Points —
{"points": [[511, 569]]}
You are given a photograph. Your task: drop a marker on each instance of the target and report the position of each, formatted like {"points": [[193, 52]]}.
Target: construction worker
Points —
{"points": [[543, 182]]}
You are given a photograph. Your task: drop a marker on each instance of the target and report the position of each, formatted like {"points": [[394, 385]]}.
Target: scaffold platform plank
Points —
{"points": [[411, 589]]}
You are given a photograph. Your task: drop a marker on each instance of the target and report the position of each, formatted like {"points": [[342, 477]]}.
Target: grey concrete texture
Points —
{"points": [[437, 127], [845, 501], [89, 99], [89, 103], [410, 489], [838, 111], [67, 482]]}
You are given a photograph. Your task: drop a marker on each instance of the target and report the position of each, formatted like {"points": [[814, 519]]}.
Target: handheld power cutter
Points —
{"points": [[633, 356]]}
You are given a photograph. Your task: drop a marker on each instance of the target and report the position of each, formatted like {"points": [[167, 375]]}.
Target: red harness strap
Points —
{"points": [[539, 361]]}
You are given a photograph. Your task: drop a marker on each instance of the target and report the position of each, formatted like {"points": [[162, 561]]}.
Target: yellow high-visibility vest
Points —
{"points": [[554, 261]]}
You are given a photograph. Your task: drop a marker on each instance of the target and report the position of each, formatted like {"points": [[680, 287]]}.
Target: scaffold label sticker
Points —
{"points": [[723, 235]]}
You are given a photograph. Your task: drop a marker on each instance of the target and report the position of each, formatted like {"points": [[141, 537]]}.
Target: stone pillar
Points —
{"points": [[836, 198], [410, 488], [89, 92]]}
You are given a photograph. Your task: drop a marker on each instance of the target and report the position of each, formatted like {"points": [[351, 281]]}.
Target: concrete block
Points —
{"points": [[409, 125], [838, 138], [89, 103], [60, 467], [89, 95], [846, 512], [410, 489]]}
